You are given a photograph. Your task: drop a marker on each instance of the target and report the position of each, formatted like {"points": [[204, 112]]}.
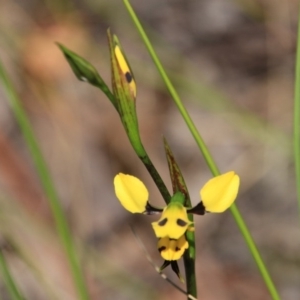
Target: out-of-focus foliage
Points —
{"points": [[233, 63]]}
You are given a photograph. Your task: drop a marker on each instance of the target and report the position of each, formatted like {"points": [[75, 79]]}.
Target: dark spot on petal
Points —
{"points": [[162, 248], [163, 222], [128, 77], [181, 223], [177, 249], [173, 239]]}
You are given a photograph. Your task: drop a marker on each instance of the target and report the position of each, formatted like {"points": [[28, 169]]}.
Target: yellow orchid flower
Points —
{"points": [[220, 192], [217, 195]]}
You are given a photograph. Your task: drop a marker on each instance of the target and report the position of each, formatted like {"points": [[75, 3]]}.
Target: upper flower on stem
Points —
{"points": [[124, 90]]}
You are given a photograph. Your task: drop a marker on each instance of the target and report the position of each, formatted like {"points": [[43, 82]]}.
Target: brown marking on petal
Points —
{"points": [[181, 223], [162, 248], [128, 77], [163, 222]]}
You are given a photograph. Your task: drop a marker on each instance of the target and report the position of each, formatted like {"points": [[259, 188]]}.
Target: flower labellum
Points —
{"points": [[173, 223], [131, 192], [220, 192], [171, 249]]}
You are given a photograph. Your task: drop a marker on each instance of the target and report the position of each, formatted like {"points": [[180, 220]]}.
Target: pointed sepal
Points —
{"points": [[174, 266], [177, 179]]}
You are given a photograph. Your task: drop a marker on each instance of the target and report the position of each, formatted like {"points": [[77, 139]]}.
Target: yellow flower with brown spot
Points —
{"points": [[217, 195]]}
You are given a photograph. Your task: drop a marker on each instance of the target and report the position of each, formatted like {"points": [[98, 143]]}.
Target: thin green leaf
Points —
{"points": [[8, 280], [297, 116], [46, 181]]}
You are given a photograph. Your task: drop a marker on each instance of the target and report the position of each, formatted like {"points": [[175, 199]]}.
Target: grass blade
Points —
{"points": [[297, 117], [9, 281], [47, 183]]}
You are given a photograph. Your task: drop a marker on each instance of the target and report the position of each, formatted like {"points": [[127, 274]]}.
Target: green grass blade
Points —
{"points": [[8, 280], [207, 156], [255, 253], [297, 117], [47, 183]]}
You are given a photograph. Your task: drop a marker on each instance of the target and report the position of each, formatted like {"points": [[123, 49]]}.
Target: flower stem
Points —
{"points": [[155, 176]]}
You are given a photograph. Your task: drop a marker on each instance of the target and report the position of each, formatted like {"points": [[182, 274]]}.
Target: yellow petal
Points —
{"points": [[171, 249], [131, 192], [220, 192], [125, 70], [173, 222]]}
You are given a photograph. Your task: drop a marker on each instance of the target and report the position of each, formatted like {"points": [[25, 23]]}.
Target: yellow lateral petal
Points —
{"points": [[131, 192], [220, 192]]}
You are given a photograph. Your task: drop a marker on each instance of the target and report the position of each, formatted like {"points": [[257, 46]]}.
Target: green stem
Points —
{"points": [[155, 176], [207, 156], [9, 281], [297, 117], [47, 183]]}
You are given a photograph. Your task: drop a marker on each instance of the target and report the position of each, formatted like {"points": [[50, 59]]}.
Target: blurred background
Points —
{"points": [[232, 62]]}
